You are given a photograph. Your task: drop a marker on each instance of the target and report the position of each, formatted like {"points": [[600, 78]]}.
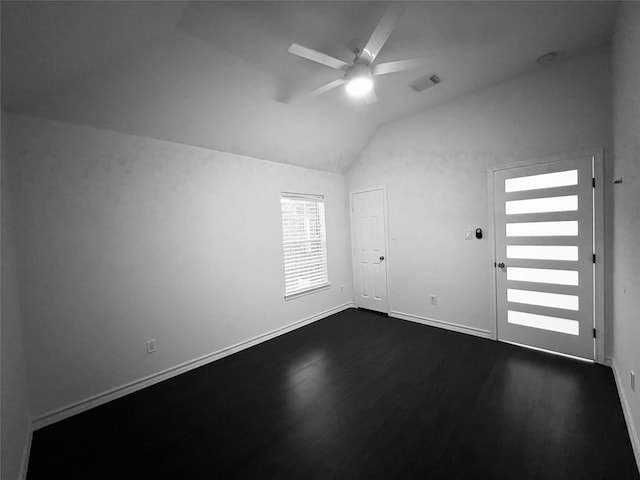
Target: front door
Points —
{"points": [[543, 220], [369, 250]]}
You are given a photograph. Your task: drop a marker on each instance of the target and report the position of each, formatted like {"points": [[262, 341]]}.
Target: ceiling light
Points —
{"points": [[359, 81], [359, 86]]}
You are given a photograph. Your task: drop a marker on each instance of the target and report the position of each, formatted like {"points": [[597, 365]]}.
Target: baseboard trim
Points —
{"points": [[633, 434], [26, 453], [118, 392], [478, 332]]}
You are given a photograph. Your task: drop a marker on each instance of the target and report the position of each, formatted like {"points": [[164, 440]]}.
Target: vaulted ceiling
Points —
{"points": [[218, 75]]}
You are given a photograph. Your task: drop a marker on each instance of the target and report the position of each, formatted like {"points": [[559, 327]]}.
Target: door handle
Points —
{"points": [[381, 257], [501, 265]]}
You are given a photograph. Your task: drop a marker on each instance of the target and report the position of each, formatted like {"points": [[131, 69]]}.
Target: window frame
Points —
{"points": [[323, 263]]}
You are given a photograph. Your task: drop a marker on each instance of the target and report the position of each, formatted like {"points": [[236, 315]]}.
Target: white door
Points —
{"points": [[544, 256], [369, 249]]}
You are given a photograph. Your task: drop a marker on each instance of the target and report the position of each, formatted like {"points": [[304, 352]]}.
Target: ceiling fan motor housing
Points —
{"points": [[358, 70]]}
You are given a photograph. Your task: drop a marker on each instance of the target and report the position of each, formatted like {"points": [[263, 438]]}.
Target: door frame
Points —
{"points": [[598, 228], [385, 236]]}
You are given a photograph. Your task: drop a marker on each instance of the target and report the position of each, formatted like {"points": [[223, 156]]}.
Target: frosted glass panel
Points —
{"points": [[541, 205], [543, 299], [545, 180], [544, 322], [543, 275], [543, 229], [543, 252]]}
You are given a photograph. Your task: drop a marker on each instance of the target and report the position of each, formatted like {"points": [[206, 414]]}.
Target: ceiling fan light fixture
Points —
{"points": [[359, 86], [359, 81]]}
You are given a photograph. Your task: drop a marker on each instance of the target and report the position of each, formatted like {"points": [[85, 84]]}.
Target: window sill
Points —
{"points": [[307, 292]]}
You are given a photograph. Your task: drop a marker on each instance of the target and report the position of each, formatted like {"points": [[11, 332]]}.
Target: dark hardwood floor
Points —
{"points": [[356, 395]]}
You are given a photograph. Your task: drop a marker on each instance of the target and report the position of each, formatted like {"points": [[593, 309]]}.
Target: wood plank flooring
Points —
{"points": [[356, 395]]}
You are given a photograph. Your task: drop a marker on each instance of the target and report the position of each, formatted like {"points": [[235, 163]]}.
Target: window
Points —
{"points": [[305, 244]]}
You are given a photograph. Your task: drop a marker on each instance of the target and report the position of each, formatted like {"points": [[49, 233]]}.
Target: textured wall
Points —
{"points": [[15, 416], [434, 166], [123, 239], [626, 284]]}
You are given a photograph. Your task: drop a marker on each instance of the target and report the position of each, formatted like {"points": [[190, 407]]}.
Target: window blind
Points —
{"points": [[304, 242]]}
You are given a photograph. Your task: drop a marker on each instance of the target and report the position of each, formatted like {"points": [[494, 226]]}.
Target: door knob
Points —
{"points": [[501, 265], [381, 258]]}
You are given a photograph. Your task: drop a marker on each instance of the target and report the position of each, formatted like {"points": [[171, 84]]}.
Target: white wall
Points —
{"points": [[626, 280], [123, 239], [435, 168], [15, 417]]}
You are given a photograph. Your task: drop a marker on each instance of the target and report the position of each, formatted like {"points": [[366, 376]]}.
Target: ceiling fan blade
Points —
{"points": [[381, 33], [318, 57], [399, 66], [327, 87]]}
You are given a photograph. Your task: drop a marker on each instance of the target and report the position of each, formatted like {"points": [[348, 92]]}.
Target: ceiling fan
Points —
{"points": [[358, 75]]}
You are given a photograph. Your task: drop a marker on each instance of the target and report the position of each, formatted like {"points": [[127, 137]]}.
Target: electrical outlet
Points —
{"points": [[633, 381], [151, 345], [434, 299]]}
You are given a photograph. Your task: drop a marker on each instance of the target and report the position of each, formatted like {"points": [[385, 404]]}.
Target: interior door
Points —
{"points": [[543, 220], [369, 250]]}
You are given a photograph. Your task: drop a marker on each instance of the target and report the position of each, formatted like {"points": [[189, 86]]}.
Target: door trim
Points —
{"points": [[598, 229], [387, 248]]}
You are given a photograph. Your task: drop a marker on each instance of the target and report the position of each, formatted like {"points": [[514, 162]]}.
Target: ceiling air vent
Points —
{"points": [[422, 83]]}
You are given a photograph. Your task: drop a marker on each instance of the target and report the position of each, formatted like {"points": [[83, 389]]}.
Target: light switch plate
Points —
{"points": [[151, 345]]}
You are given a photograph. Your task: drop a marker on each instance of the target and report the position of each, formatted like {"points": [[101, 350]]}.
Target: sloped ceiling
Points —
{"points": [[218, 75]]}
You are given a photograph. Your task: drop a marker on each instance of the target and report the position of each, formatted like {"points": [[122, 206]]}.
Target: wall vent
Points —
{"points": [[422, 83]]}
